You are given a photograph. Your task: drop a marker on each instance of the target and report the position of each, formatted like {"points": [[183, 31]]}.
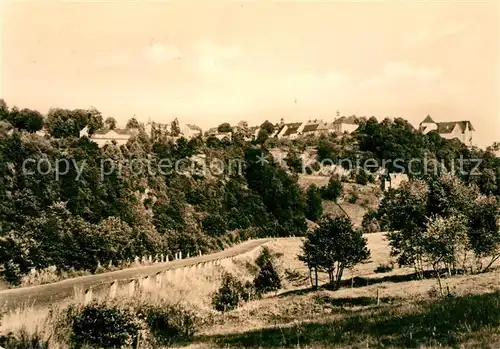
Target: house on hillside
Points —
{"points": [[156, 130], [461, 130], [325, 128], [190, 131], [309, 128], [289, 131], [253, 132], [214, 132], [278, 127], [345, 124], [116, 136]]}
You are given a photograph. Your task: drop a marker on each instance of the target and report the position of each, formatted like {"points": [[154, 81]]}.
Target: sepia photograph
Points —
{"points": [[249, 174]]}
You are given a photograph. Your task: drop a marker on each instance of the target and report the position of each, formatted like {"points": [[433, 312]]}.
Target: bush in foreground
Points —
{"points": [[24, 340], [169, 323], [230, 294], [107, 325], [104, 326]]}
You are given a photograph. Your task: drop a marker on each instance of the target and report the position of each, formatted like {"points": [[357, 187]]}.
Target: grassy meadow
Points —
{"points": [[371, 310]]}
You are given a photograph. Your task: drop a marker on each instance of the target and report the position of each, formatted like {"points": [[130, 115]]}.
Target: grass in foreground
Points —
{"points": [[449, 322]]}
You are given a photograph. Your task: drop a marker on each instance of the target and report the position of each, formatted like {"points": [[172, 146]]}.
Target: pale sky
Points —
{"points": [[207, 62]]}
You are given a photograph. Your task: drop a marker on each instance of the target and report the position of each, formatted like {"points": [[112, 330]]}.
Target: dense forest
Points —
{"points": [[78, 217]]}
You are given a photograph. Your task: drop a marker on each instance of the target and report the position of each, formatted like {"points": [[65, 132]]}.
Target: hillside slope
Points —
{"points": [[367, 198], [408, 313]]}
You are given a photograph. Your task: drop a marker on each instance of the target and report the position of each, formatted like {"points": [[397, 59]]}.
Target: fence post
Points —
{"points": [[131, 288], [88, 296], [112, 289], [158, 279]]}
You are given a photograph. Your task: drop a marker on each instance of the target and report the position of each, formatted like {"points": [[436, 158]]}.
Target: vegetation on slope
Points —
{"points": [[95, 211]]}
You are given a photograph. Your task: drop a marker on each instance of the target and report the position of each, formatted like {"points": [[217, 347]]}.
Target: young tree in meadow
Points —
{"points": [[268, 279], [484, 230], [445, 242], [333, 247], [311, 256], [402, 212], [442, 206]]}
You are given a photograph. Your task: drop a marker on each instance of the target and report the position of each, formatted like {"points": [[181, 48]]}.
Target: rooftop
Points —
{"points": [[292, 128], [447, 127], [310, 128], [346, 120], [428, 120], [120, 131]]}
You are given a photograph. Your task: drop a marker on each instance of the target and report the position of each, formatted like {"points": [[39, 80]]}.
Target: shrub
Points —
{"points": [[229, 295], [268, 278], [314, 167], [248, 291], [294, 161], [384, 268], [353, 197], [23, 340], [333, 190], [169, 323], [105, 326], [363, 177], [370, 223], [12, 273]]}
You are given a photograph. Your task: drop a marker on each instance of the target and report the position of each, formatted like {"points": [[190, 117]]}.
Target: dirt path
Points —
{"points": [[48, 293]]}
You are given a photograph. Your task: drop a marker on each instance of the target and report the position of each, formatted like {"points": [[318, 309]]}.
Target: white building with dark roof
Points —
{"points": [[461, 130], [190, 131], [116, 136], [346, 124], [309, 128]]}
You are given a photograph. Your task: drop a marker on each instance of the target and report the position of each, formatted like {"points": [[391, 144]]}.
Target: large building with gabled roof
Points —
{"points": [[288, 131], [461, 130]]}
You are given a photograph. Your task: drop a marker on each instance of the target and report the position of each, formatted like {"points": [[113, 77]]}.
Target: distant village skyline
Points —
{"points": [[162, 60]]}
